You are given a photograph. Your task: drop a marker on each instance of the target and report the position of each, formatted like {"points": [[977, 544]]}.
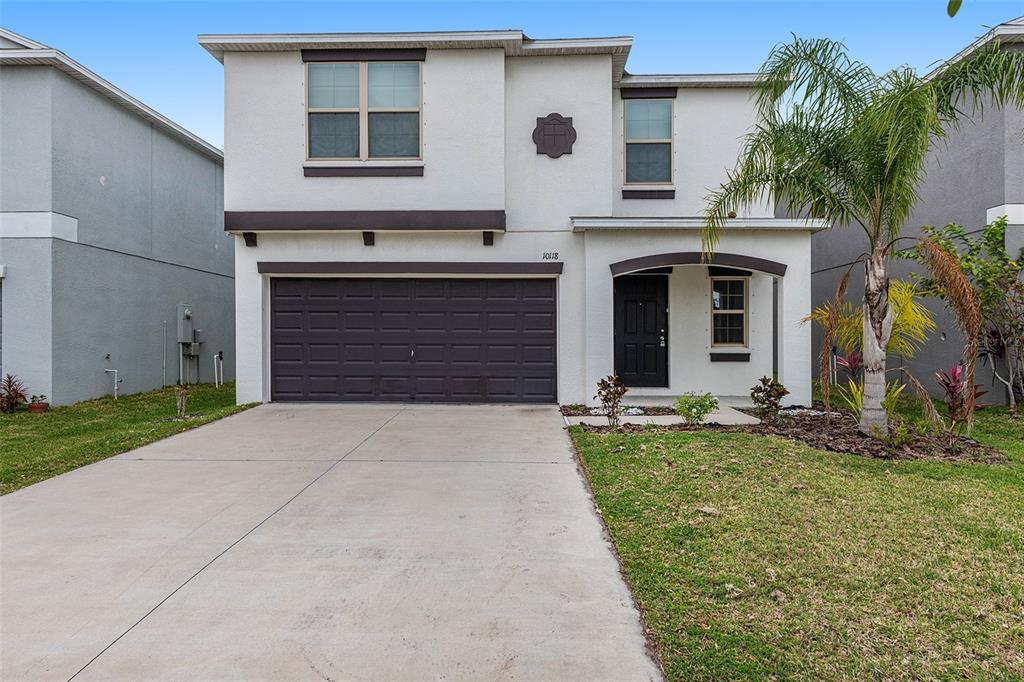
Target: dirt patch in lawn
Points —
{"points": [[839, 434]]}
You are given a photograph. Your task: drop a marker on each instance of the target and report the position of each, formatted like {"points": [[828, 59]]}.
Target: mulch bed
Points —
{"points": [[840, 434]]}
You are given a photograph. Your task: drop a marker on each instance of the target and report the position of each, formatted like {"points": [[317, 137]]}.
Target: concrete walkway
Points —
{"points": [[324, 543]]}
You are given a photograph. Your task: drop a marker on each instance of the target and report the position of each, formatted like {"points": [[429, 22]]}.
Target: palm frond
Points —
{"points": [[991, 73], [961, 297]]}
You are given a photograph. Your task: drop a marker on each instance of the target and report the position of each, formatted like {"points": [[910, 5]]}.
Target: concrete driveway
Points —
{"points": [[325, 543]]}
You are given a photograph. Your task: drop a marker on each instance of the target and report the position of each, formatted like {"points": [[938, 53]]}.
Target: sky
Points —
{"points": [[149, 49]]}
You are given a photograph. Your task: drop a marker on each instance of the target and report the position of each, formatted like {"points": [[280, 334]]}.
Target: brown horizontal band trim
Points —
{"points": [[362, 171], [411, 54], [730, 357], [648, 93], [732, 260], [256, 221], [648, 194], [718, 271], [405, 268]]}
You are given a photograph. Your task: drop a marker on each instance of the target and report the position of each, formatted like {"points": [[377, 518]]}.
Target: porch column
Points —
{"points": [[600, 343], [793, 338]]}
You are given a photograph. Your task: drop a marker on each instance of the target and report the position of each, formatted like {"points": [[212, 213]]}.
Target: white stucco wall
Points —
{"points": [[463, 139], [542, 193], [708, 128], [479, 112], [585, 302]]}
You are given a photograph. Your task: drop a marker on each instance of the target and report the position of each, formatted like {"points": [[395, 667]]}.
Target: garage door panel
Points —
{"points": [[467, 340]]}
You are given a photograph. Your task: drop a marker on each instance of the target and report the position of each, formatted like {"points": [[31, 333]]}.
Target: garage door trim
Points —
{"points": [[406, 268]]}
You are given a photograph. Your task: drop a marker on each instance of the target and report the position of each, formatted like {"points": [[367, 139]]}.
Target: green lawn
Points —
{"points": [[34, 447], [754, 557]]}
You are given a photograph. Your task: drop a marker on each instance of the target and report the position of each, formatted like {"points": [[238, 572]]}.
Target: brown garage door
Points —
{"points": [[431, 340]]}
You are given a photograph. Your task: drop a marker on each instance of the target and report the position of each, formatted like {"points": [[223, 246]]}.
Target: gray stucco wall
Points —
{"points": [[26, 182], [980, 166], [150, 235], [27, 318], [109, 303], [132, 187]]}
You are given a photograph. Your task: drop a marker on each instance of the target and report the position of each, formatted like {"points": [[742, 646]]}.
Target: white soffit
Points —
{"points": [[513, 42], [585, 223]]}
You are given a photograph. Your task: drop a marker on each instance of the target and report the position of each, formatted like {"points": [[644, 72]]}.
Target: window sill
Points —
{"points": [[741, 355], [648, 193], [362, 169]]}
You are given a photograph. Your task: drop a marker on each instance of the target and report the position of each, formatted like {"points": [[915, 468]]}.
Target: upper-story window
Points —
{"points": [[363, 110], [648, 141]]}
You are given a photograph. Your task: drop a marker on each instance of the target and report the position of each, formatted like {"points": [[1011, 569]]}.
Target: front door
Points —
{"points": [[641, 329]]}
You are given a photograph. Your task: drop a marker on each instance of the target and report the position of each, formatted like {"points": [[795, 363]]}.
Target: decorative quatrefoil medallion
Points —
{"points": [[554, 135]]}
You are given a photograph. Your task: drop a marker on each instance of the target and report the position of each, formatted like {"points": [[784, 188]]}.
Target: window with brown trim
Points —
{"points": [[648, 141], [729, 311], [363, 110]]}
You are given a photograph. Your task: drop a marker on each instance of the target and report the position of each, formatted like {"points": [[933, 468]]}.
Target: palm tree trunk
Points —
{"points": [[878, 317]]}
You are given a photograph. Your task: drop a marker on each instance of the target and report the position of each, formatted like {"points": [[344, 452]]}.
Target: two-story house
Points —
{"points": [[482, 217], [111, 225]]}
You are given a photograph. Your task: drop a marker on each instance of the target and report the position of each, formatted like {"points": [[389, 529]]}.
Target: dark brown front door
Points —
{"points": [[641, 329], [431, 340]]}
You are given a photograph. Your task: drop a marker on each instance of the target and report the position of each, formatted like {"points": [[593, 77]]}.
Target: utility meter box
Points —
{"points": [[186, 328]]}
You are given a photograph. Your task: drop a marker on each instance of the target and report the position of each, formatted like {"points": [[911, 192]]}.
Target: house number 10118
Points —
{"points": [[550, 255]]}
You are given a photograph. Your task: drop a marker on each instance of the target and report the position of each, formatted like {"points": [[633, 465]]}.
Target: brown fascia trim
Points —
{"points": [[648, 93], [362, 171], [361, 221], [694, 258], [648, 194], [412, 54], [405, 268]]}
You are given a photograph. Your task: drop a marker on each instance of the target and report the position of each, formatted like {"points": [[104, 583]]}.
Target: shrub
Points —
{"points": [[851, 363], [852, 396], [954, 385], [12, 393], [694, 407], [767, 395], [610, 392], [891, 401]]}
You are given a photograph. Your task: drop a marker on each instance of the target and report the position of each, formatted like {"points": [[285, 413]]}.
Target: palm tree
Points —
{"points": [[838, 142]]}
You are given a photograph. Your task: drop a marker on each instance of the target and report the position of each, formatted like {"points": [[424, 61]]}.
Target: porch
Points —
{"points": [[666, 322]]}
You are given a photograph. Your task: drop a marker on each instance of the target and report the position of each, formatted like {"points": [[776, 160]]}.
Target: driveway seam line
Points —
{"points": [[229, 547]]}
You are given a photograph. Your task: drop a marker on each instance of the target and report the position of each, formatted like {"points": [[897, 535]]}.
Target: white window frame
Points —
{"points": [[626, 141], [364, 110], [745, 312]]}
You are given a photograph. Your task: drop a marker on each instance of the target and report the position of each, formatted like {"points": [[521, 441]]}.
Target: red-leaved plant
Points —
{"points": [[955, 387], [851, 363], [12, 393]]}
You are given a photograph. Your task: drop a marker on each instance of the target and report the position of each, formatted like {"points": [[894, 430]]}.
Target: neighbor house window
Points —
{"points": [[728, 311], [648, 140], [363, 110]]}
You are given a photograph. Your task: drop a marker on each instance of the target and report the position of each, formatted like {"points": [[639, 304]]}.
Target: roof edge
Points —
{"points": [[59, 60], [690, 80], [584, 223]]}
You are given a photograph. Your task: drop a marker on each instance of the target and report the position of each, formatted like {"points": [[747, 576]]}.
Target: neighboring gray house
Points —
{"points": [[973, 178], [110, 216]]}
